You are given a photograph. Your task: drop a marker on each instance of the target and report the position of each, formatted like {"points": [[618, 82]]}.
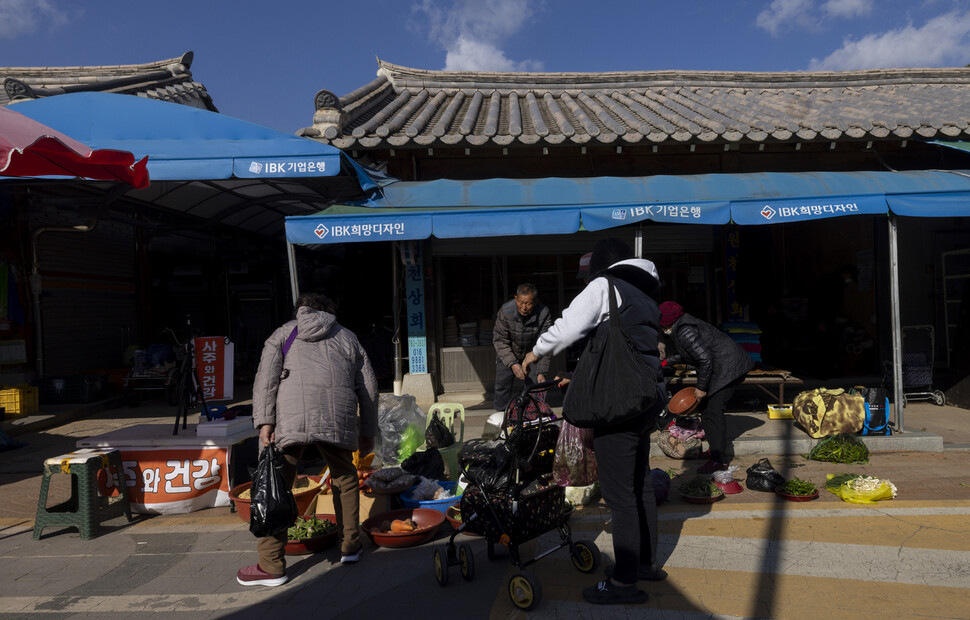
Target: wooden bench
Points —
{"points": [[760, 379]]}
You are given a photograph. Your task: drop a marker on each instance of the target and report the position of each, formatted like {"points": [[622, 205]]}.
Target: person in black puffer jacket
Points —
{"points": [[721, 366]]}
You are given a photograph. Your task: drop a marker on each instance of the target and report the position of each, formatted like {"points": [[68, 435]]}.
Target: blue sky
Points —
{"points": [[264, 61]]}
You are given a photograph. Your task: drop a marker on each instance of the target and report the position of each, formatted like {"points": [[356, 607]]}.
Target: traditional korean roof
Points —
{"points": [[407, 107], [168, 80]]}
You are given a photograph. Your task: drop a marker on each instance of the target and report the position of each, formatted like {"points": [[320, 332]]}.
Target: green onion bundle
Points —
{"points": [[796, 486], [700, 486], [840, 448]]}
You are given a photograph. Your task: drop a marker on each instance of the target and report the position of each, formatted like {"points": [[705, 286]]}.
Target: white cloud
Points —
{"points": [[22, 17], [943, 41], [785, 13], [848, 8], [471, 32]]}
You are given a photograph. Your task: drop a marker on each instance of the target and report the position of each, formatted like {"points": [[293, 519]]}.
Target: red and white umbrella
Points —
{"points": [[31, 149]]}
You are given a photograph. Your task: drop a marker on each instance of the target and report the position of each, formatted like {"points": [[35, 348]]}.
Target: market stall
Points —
{"points": [[174, 474]]}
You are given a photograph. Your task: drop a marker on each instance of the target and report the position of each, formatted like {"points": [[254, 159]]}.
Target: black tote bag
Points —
{"points": [[612, 383]]}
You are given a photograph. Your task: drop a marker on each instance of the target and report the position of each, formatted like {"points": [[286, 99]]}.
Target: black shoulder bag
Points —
{"points": [[612, 383]]}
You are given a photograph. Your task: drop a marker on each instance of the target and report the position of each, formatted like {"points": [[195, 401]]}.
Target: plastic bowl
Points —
{"points": [[427, 520], [730, 488], [441, 505], [683, 402], [303, 498], [317, 543]]}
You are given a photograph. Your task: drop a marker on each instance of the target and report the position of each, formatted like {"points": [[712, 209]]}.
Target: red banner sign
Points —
{"points": [[214, 367], [173, 480]]}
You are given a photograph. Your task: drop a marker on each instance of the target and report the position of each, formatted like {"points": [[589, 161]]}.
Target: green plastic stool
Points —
{"points": [[85, 510]]}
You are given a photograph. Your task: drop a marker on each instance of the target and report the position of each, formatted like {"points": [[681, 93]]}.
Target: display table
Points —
{"points": [[171, 474], [757, 378]]}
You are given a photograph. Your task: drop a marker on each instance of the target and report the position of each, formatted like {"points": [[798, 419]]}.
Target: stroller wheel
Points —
{"points": [[525, 590], [585, 556], [440, 567], [466, 560], [939, 397]]}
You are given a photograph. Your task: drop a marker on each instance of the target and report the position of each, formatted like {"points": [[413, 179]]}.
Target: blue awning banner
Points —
{"points": [[954, 204], [611, 216], [802, 209], [311, 229], [184, 143], [502, 222]]}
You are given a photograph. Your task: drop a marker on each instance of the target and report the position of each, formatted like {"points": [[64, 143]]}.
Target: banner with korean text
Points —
{"points": [[214, 367], [173, 480]]}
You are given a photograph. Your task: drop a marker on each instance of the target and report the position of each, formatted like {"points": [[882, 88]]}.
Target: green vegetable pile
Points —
{"points": [[840, 448], [796, 486], [700, 486], [309, 527]]}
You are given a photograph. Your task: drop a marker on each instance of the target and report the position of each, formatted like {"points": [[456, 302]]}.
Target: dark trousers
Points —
{"points": [[504, 379], [623, 461], [346, 501], [715, 424]]}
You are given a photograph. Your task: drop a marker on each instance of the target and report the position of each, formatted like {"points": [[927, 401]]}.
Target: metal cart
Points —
{"points": [[918, 353]]}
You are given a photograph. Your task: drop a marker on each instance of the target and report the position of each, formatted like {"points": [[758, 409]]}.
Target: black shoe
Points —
{"points": [[606, 593], [645, 572]]}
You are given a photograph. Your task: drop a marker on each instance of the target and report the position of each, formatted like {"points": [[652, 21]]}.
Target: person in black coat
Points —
{"points": [[721, 366]]}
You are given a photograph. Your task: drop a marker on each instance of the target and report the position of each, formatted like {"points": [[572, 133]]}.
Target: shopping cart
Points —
{"points": [[512, 499], [917, 367]]}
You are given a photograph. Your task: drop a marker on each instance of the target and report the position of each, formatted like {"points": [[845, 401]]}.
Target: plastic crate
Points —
{"points": [[780, 412], [19, 401], [73, 389]]}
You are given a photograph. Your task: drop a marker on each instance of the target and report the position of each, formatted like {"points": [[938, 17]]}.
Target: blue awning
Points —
{"points": [[497, 207], [185, 143]]}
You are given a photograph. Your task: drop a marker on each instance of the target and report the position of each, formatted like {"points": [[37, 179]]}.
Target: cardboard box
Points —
{"points": [[371, 504], [780, 412]]}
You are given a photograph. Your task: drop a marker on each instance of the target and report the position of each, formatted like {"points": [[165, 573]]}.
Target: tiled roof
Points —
{"points": [[169, 80], [406, 107]]}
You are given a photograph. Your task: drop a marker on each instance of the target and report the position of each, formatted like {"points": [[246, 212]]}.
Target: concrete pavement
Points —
{"points": [[750, 555]]}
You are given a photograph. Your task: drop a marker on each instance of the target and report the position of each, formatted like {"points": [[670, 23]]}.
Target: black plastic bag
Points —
{"points": [[428, 464], [486, 463], [437, 435], [273, 508], [763, 477]]}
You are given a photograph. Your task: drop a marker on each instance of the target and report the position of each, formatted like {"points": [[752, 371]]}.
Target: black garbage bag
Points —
{"points": [[428, 464], [763, 477], [487, 463], [437, 435], [273, 508]]}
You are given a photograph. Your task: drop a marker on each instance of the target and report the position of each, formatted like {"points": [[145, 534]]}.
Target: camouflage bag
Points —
{"points": [[825, 412]]}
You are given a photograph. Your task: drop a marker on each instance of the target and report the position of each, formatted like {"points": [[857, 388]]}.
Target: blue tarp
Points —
{"points": [[497, 207], [185, 143]]}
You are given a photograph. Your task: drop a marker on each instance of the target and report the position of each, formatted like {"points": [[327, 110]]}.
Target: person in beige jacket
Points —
{"points": [[314, 387]]}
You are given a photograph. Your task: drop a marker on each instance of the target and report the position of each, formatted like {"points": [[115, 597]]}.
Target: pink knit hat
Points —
{"points": [[670, 311]]}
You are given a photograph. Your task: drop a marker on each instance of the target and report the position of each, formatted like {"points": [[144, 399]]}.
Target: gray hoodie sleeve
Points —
{"points": [[267, 380], [365, 386]]}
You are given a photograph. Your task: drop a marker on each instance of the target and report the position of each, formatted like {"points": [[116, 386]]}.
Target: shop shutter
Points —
{"points": [[89, 303]]}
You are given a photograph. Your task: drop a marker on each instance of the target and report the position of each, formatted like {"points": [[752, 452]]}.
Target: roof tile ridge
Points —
{"points": [[497, 79]]}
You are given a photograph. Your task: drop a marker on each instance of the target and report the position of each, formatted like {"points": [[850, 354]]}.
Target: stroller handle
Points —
{"points": [[532, 386]]}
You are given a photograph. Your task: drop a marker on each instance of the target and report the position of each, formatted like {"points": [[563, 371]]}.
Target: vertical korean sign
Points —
{"points": [[414, 290], [732, 243], [214, 367]]}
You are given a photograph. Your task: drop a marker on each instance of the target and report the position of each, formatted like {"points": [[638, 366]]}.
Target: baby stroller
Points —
{"points": [[918, 365], [511, 499]]}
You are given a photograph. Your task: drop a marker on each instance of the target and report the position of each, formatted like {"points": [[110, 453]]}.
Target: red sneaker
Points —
{"points": [[253, 575]]}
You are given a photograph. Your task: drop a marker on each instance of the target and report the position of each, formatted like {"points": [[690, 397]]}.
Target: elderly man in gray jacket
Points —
{"points": [[314, 386], [518, 324]]}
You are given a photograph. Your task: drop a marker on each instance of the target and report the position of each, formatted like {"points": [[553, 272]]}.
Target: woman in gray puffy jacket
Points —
{"points": [[314, 386]]}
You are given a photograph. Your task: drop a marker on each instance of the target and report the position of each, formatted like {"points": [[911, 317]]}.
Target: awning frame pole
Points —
{"points": [[291, 259], [396, 313], [896, 327]]}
